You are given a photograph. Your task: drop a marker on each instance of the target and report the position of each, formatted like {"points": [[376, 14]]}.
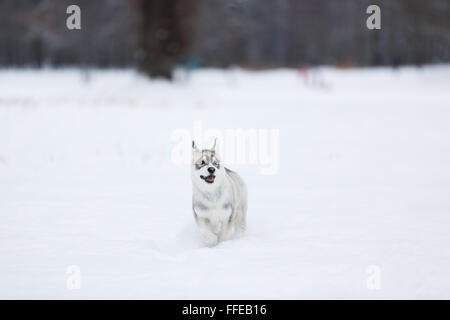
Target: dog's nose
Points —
{"points": [[211, 170]]}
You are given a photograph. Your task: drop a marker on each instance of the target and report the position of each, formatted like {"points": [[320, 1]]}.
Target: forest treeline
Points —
{"points": [[156, 35]]}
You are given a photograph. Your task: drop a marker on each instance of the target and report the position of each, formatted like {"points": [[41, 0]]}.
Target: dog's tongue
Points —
{"points": [[210, 178]]}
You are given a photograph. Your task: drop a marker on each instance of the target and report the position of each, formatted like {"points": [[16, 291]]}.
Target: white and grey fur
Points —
{"points": [[219, 203]]}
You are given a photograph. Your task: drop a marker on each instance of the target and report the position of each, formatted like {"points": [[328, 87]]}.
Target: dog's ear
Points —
{"points": [[194, 147], [214, 145], [196, 152]]}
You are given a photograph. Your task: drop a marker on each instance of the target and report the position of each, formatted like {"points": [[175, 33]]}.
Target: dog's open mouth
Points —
{"points": [[209, 179]]}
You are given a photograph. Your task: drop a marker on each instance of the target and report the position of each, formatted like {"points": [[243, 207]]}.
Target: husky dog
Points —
{"points": [[219, 199]]}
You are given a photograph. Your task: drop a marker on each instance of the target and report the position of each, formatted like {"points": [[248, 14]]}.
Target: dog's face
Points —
{"points": [[206, 169]]}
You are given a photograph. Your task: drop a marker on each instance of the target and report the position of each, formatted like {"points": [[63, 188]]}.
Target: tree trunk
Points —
{"points": [[165, 35]]}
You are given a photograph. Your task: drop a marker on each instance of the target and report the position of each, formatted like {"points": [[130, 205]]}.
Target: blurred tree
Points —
{"points": [[34, 32], [165, 34]]}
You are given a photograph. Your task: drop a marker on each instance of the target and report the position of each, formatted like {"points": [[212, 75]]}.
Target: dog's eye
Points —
{"points": [[203, 162]]}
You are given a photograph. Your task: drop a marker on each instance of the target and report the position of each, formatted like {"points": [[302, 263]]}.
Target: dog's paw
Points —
{"points": [[209, 238]]}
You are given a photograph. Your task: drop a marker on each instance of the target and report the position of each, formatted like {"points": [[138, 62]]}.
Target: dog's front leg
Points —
{"points": [[226, 231], [208, 236]]}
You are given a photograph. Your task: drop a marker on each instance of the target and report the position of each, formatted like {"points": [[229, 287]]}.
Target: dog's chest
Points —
{"points": [[217, 211]]}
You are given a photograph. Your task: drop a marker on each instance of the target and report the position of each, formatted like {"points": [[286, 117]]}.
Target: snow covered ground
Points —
{"points": [[359, 208]]}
